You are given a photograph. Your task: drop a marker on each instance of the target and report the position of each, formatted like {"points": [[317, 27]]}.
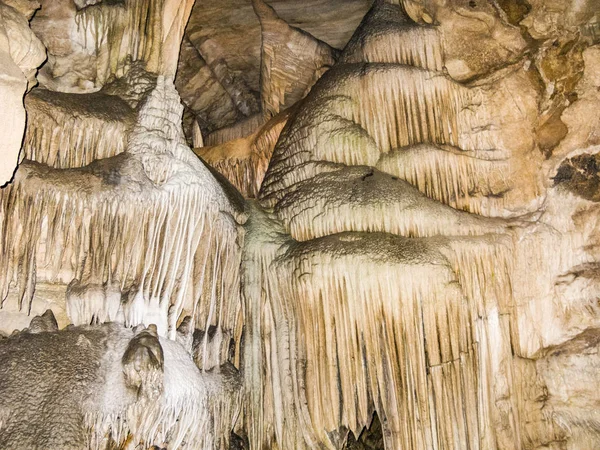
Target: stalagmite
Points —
{"points": [[161, 398], [422, 325]]}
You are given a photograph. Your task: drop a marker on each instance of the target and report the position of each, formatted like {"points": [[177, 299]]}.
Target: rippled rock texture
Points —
{"points": [[289, 225]]}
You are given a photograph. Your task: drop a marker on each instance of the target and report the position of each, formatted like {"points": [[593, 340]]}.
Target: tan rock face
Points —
{"points": [[385, 236], [92, 42], [21, 53], [227, 36]]}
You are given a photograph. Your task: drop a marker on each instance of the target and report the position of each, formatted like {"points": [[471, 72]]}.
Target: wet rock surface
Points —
{"points": [[385, 235]]}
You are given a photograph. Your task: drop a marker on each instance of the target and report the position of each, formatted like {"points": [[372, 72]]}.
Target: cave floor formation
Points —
{"points": [[284, 225]]}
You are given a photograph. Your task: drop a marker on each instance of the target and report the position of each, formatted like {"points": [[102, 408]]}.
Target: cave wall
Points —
{"points": [[291, 225]]}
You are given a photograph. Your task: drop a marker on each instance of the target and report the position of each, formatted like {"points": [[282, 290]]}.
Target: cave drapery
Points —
{"points": [[329, 224]]}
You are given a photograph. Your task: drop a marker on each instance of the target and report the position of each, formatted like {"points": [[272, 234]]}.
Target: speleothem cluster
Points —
{"points": [[225, 232]]}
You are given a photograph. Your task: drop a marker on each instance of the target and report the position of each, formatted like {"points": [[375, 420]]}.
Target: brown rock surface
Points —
{"points": [[386, 236]]}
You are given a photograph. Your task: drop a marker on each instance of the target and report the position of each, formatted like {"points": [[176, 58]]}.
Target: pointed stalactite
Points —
{"points": [[74, 130], [149, 221], [197, 139]]}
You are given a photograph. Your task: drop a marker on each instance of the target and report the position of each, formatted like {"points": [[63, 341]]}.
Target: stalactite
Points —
{"points": [[417, 47], [473, 181], [412, 349], [92, 303], [119, 33], [197, 135], [387, 35], [95, 224], [388, 299], [420, 106], [72, 130], [213, 348], [364, 199], [405, 106]]}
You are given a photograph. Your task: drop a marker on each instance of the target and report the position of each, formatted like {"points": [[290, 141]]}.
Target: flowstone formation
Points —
{"points": [[378, 239], [21, 53]]}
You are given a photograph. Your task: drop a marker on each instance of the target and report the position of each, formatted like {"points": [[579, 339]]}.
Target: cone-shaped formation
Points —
{"points": [[388, 299], [406, 106], [402, 115], [158, 215], [387, 35]]}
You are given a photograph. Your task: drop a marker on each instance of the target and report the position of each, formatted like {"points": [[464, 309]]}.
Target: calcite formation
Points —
{"points": [[21, 53], [325, 225], [132, 386]]}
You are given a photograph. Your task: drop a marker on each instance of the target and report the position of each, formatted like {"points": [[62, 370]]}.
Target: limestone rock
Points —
{"points": [[21, 53], [386, 235], [228, 62], [100, 409], [291, 61]]}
